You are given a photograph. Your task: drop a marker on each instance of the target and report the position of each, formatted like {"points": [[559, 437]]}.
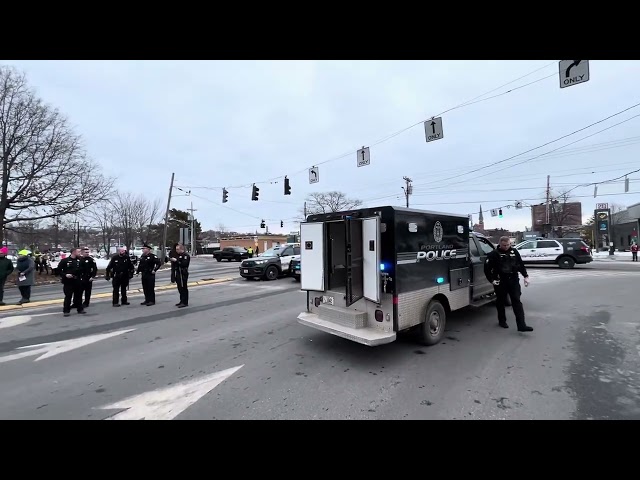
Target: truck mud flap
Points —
{"points": [[366, 336]]}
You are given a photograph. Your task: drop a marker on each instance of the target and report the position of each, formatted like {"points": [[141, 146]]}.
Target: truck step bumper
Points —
{"points": [[365, 336]]}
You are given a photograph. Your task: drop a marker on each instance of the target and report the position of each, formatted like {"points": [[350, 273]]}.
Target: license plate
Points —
{"points": [[246, 271], [326, 299]]}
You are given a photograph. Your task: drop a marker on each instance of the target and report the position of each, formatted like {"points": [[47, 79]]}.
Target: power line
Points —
{"points": [[388, 137], [499, 162]]}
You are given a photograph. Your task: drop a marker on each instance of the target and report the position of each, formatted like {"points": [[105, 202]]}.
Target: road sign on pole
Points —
{"points": [[184, 236], [314, 175], [433, 129], [602, 206], [518, 205], [573, 72], [494, 212], [364, 158]]}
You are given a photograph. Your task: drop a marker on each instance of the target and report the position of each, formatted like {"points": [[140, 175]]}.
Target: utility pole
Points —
{"points": [[163, 247], [408, 190], [305, 211], [548, 223], [193, 231]]}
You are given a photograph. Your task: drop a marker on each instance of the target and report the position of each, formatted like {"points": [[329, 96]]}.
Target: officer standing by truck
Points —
{"points": [[180, 273], [121, 269], [71, 271], [501, 268], [90, 270], [148, 265]]}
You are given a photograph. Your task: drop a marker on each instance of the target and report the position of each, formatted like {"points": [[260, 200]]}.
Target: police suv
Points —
{"points": [[564, 252]]}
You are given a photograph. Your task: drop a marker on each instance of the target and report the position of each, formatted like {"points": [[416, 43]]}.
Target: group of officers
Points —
{"points": [[79, 270]]}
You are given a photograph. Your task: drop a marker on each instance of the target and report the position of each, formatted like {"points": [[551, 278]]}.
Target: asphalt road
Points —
{"points": [[238, 353], [201, 268]]}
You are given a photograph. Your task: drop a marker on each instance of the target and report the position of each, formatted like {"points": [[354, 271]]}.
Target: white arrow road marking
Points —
{"points": [[20, 319], [55, 348], [169, 402]]}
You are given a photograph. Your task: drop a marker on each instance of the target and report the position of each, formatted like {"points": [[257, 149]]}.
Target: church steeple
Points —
{"points": [[481, 218]]}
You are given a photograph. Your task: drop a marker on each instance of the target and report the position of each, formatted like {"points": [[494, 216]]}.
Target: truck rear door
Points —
{"points": [[354, 261], [312, 256], [371, 258]]}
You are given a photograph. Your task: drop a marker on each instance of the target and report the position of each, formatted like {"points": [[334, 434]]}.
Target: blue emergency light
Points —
{"points": [[382, 267], [440, 280]]}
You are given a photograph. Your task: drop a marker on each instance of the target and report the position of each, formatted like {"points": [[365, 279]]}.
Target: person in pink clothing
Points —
{"points": [[634, 252]]}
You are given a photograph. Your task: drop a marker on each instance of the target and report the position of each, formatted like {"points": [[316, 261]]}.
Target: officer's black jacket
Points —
{"points": [[180, 268], [120, 266], [90, 269], [149, 263], [501, 263], [71, 266]]}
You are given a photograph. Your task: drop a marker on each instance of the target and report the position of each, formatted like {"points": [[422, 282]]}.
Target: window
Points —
{"points": [[296, 250], [473, 248], [286, 252], [527, 246], [485, 246], [547, 244]]}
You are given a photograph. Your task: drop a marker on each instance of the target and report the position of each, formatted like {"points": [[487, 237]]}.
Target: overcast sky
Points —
{"points": [[232, 123]]}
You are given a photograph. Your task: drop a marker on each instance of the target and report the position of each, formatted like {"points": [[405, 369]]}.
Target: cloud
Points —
{"points": [[231, 123]]}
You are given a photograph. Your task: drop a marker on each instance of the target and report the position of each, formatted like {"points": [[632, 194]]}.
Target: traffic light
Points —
{"points": [[281, 224], [225, 194], [287, 187], [500, 213], [254, 193], [262, 224]]}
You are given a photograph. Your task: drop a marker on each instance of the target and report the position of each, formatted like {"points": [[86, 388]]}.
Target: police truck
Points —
{"points": [[371, 273]]}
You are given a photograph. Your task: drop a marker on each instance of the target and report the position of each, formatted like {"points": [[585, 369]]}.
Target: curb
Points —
{"points": [[132, 292]]}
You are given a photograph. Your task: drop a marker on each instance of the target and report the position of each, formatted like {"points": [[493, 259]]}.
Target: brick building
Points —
{"points": [[262, 242]]}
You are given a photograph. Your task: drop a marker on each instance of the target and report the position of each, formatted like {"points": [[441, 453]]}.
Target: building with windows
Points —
{"points": [[625, 226]]}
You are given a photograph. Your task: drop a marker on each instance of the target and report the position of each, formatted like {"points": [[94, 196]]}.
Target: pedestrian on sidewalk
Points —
{"points": [[71, 271], [6, 269], [148, 265], [89, 272], [634, 252], [180, 274], [501, 269], [121, 269], [26, 275]]}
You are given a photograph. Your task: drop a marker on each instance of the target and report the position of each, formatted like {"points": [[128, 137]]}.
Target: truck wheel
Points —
{"points": [[271, 273], [432, 330], [566, 262], [218, 259]]}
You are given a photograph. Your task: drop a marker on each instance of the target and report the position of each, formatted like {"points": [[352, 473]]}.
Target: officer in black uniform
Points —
{"points": [[71, 271], [148, 265], [501, 268], [180, 273], [121, 269], [90, 270]]}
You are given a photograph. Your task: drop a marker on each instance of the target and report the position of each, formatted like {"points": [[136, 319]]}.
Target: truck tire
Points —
{"points": [[271, 273], [218, 259], [432, 329], [566, 262]]}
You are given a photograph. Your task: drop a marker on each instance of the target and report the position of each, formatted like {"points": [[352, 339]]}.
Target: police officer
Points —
{"points": [[501, 268], [121, 269], [71, 271], [180, 273], [250, 252], [90, 270], [148, 265]]}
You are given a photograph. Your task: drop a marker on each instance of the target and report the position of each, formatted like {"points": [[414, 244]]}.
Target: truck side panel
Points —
{"points": [[429, 246]]}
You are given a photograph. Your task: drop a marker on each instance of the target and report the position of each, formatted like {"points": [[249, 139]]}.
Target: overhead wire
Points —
{"points": [[472, 101]]}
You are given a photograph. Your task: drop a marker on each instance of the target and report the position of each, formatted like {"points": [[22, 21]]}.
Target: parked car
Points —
{"points": [[267, 266], [236, 254], [564, 252], [294, 268]]}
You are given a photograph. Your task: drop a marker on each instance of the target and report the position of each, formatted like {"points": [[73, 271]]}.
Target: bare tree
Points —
{"points": [[103, 216], [45, 169], [222, 228], [327, 202], [135, 215]]}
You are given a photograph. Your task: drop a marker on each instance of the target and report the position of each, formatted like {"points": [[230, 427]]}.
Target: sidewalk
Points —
{"points": [[622, 256]]}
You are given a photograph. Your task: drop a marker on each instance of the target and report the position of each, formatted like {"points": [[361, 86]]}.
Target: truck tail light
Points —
{"points": [[379, 316]]}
